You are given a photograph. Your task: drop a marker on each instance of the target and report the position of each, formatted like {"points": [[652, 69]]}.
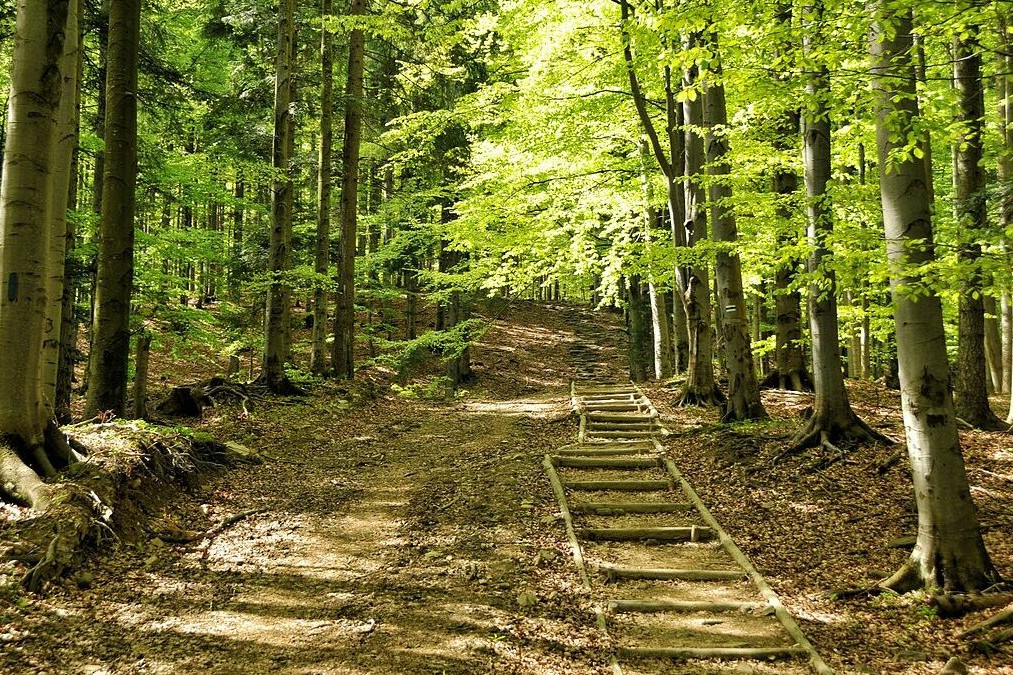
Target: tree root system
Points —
{"points": [[130, 465]]}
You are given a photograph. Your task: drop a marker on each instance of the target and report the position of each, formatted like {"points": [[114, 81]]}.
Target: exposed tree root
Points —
{"points": [[1005, 616], [958, 604], [831, 433], [792, 381], [73, 517], [694, 396], [952, 579]]}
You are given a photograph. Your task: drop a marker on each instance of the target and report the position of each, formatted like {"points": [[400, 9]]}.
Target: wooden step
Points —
{"points": [[621, 508], [624, 406], [723, 653], [619, 485], [624, 419], [620, 426], [605, 452], [669, 574], [623, 434], [668, 605], [680, 533], [606, 462]]}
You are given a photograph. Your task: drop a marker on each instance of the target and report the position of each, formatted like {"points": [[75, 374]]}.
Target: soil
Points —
{"points": [[389, 533]]}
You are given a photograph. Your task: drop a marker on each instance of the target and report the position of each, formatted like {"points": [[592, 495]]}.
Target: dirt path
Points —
{"points": [[403, 536]]}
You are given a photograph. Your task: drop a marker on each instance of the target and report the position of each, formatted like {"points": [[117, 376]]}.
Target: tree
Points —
{"points": [[276, 326], [949, 552], [970, 387], [701, 388], [108, 361], [28, 436], [318, 363], [833, 420], [743, 389], [343, 354]]}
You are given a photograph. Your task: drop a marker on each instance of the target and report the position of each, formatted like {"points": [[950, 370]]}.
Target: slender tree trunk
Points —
{"points": [[638, 314], [60, 288], [110, 345], [344, 324], [275, 327], [318, 361], [25, 205], [993, 343], [701, 387], [141, 360], [970, 389], [833, 420], [949, 552], [790, 371], [743, 388], [677, 216]]}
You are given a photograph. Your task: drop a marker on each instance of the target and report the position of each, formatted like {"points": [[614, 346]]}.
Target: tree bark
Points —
{"points": [[949, 552], [344, 324], [701, 387], [37, 86], [638, 313], [279, 257], [833, 421], [318, 360], [110, 345], [61, 229], [743, 389], [970, 388]]}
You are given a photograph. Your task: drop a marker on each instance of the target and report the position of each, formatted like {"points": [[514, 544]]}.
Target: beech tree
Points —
{"points": [[833, 419], [949, 552], [743, 389], [318, 363], [970, 388], [276, 325], [343, 354], [110, 345], [29, 439]]}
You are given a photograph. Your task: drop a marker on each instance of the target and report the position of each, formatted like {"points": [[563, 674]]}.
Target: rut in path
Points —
{"points": [[668, 582]]}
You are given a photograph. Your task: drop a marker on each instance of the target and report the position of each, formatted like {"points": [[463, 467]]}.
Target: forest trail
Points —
{"points": [[400, 536], [386, 534]]}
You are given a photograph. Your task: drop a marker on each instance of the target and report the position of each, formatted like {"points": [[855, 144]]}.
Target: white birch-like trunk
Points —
{"points": [[949, 552]]}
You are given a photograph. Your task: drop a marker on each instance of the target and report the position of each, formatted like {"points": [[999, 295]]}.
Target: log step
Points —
{"points": [[615, 417], [691, 533], [606, 462], [668, 574], [621, 508], [627, 406], [667, 605], [723, 653], [604, 452], [623, 424], [619, 485], [623, 434]]}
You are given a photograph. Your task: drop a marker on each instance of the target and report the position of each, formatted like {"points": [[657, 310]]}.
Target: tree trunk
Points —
{"points": [[318, 360], [743, 389], [279, 257], [949, 552], [970, 389], [344, 324], [638, 313], [993, 344], [701, 387], [110, 345], [790, 372], [143, 352], [833, 420], [25, 217], [61, 230]]}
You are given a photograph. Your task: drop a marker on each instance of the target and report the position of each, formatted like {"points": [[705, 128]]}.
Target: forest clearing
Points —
{"points": [[506, 335]]}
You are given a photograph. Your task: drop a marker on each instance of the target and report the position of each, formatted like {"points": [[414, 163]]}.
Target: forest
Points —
{"points": [[304, 240]]}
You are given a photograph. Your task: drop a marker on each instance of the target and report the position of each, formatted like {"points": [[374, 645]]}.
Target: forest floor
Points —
{"points": [[397, 534]]}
